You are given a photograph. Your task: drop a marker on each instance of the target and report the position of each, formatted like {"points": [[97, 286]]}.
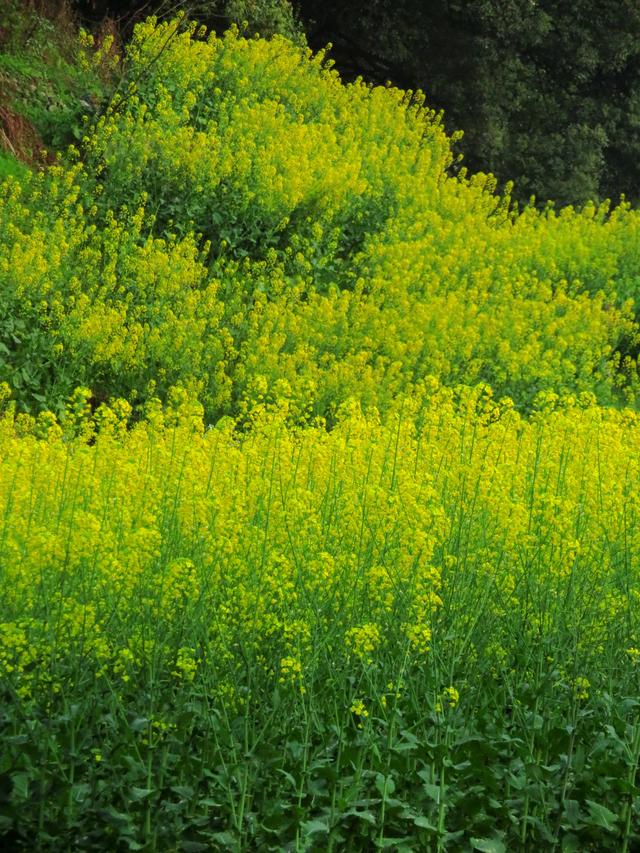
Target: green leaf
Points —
{"points": [[403, 747], [289, 778], [80, 792], [114, 817], [602, 816], [423, 823], [385, 785], [571, 843], [389, 841], [226, 839], [488, 845], [184, 791], [141, 793], [367, 816], [571, 814], [432, 791], [20, 785], [312, 827]]}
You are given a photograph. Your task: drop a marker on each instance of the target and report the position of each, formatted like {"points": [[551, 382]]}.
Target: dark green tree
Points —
{"points": [[266, 17], [547, 92]]}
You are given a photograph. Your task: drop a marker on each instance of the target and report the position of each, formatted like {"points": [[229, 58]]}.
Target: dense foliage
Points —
{"points": [[546, 92], [266, 17], [47, 86], [389, 635], [318, 479], [241, 223]]}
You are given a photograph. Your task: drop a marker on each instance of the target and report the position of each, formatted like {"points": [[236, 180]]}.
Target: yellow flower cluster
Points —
{"points": [[186, 665], [363, 641], [449, 699], [291, 673], [195, 550], [419, 637], [581, 687], [634, 654], [359, 709], [452, 696]]}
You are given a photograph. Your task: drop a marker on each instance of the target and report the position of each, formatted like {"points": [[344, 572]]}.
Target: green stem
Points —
{"points": [[72, 774], [441, 809]]}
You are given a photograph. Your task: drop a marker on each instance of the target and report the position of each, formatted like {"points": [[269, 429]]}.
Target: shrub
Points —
{"points": [[51, 80]]}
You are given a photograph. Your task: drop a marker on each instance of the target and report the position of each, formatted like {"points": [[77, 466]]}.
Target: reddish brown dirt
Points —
{"points": [[19, 137]]}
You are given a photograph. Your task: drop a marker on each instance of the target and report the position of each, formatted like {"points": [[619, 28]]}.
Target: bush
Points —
{"points": [[51, 79], [266, 17]]}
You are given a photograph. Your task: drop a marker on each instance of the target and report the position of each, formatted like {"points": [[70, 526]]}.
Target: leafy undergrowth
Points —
{"points": [[11, 167], [50, 79], [318, 480]]}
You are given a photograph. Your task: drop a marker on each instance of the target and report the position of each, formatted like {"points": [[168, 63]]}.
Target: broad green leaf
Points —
{"points": [[20, 785], [141, 793], [312, 827], [488, 845], [432, 791], [423, 823], [385, 785], [602, 816]]}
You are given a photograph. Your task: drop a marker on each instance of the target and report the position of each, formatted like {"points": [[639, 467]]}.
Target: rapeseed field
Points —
{"points": [[319, 479]]}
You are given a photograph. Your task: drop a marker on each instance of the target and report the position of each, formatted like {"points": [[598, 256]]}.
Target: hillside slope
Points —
{"points": [[327, 254], [318, 480]]}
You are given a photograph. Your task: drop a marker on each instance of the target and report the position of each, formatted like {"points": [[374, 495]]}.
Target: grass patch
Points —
{"points": [[11, 167]]}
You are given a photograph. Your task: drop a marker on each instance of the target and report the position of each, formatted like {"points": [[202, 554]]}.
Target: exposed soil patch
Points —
{"points": [[19, 137]]}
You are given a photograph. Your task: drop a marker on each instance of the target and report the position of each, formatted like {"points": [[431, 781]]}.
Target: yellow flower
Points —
{"points": [[360, 712], [451, 696], [581, 687], [363, 640], [634, 654]]}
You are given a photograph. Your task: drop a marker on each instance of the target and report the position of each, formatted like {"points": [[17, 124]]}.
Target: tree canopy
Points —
{"points": [[547, 93]]}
